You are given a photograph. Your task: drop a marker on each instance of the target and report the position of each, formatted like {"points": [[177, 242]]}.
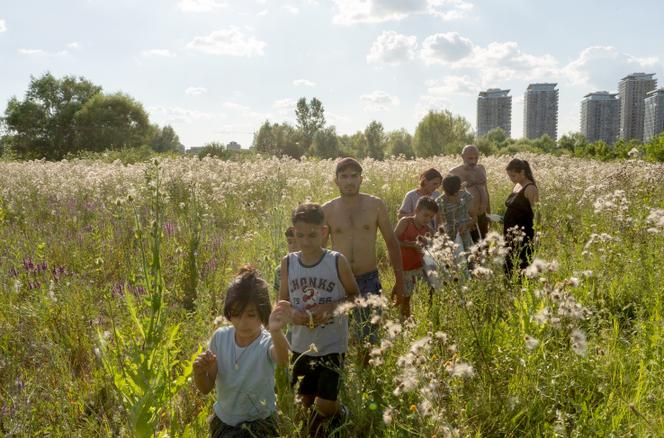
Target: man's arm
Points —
{"points": [[393, 248], [327, 211]]}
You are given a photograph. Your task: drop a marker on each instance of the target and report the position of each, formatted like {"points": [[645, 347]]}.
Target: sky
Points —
{"points": [[215, 70]]}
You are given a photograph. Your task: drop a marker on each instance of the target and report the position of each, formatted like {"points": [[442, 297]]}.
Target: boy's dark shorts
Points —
{"points": [[320, 375]]}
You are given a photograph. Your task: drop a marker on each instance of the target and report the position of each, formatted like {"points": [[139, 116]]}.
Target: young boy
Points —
{"points": [[315, 281], [292, 247], [456, 211], [407, 231]]}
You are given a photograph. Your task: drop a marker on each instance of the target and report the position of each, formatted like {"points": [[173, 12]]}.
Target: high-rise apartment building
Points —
{"points": [[494, 110], [600, 117], [633, 90], [653, 123], [540, 111]]}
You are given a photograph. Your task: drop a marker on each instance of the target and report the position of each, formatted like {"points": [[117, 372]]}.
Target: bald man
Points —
{"points": [[473, 176]]}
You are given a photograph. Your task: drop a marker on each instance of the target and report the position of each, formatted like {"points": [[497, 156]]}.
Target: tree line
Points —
{"points": [[60, 118]]}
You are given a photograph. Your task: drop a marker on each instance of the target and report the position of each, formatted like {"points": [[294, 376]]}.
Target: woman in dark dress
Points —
{"points": [[518, 221]]}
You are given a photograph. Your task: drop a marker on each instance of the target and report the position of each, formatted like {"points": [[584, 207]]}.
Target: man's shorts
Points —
{"points": [[478, 233], [411, 278], [369, 284], [317, 375]]}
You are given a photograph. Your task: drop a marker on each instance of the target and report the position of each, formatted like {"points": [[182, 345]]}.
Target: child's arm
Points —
{"points": [[298, 316], [205, 371], [322, 312], [279, 317], [400, 229]]}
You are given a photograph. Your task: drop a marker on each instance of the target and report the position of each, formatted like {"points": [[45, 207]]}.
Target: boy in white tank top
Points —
{"points": [[315, 281]]}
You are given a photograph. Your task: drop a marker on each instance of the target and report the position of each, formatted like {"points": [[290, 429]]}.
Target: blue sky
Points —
{"points": [[216, 69]]}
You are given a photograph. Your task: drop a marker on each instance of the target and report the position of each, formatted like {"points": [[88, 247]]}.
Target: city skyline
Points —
{"points": [[216, 70]]}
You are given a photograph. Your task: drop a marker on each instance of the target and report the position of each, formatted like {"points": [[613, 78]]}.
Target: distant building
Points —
{"points": [[600, 117], [494, 110], [233, 146], [653, 123], [633, 90], [540, 111]]}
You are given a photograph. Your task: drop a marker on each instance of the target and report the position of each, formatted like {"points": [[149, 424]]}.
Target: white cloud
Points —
{"points": [[195, 91], [452, 85], [603, 66], [263, 13], [165, 53], [74, 45], [3, 25], [379, 100], [292, 9], [303, 83], [201, 5], [245, 111], [40, 52], [392, 48], [285, 106], [498, 61], [230, 41], [444, 48], [179, 115], [31, 52], [377, 11]]}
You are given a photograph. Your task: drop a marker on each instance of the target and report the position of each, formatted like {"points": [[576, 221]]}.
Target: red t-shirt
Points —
{"points": [[410, 257]]}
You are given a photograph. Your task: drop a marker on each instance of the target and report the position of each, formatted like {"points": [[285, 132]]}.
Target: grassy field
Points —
{"points": [[112, 277]]}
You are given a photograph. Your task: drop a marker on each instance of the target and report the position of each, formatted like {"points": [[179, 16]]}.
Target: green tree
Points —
{"points": [[310, 118], [654, 149], [441, 132], [278, 139], [166, 140], [42, 124], [572, 141], [545, 143], [213, 149], [113, 121], [498, 137], [400, 142], [325, 143], [375, 135]]}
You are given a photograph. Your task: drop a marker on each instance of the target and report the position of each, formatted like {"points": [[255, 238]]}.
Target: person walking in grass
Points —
{"points": [[316, 281], [518, 222], [408, 231], [456, 213], [241, 359], [474, 181], [430, 181], [353, 220]]}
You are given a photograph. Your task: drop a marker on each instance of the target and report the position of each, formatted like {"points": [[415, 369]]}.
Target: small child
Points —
{"points": [[292, 247], [241, 359], [454, 212], [315, 281], [407, 231]]}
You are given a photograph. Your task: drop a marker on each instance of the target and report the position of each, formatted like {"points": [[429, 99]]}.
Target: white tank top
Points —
{"points": [[317, 284]]}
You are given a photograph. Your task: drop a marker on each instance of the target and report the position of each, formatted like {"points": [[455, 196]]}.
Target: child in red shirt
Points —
{"points": [[407, 231]]}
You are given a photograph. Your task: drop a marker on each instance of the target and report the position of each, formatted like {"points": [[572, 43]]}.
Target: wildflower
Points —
{"points": [[460, 369], [413, 409], [387, 416], [531, 343], [578, 340]]}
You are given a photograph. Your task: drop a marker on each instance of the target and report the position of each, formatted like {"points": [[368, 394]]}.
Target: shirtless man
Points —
{"points": [[473, 176], [353, 220]]}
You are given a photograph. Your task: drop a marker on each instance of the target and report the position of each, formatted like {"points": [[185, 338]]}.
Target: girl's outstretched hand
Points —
{"points": [[206, 363], [280, 316]]}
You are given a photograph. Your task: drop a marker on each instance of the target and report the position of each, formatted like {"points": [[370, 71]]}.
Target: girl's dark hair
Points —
{"points": [[428, 175], [248, 288], [451, 184], [517, 165]]}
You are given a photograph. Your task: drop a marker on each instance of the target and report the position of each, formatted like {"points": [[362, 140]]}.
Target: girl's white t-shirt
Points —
{"points": [[244, 392]]}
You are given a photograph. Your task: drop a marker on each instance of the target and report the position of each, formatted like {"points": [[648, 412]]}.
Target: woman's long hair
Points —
{"points": [[517, 165]]}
